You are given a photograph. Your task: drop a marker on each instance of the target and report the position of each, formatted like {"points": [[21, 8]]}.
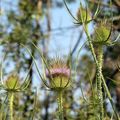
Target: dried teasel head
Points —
{"points": [[58, 74], [102, 34], [12, 82], [83, 15]]}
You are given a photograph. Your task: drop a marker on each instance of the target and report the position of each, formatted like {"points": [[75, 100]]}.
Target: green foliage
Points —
{"points": [[18, 35]]}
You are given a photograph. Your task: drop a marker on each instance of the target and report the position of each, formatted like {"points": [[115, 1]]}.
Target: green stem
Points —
{"points": [[110, 98], [98, 61], [11, 99], [99, 82], [90, 43], [60, 105]]}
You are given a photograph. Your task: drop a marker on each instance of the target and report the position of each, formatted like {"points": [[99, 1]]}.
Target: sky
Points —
{"points": [[60, 41]]}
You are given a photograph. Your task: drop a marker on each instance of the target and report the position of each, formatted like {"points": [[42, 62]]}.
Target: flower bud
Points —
{"points": [[12, 82], [101, 35], [83, 15]]}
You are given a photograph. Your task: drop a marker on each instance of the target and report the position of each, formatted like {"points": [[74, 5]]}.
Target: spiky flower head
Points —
{"points": [[12, 82], [83, 15], [58, 74], [102, 34]]}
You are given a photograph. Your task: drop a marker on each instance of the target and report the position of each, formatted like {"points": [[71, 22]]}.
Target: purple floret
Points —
{"points": [[58, 71]]}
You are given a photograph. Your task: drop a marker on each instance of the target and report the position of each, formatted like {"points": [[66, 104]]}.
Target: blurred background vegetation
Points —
{"points": [[48, 25]]}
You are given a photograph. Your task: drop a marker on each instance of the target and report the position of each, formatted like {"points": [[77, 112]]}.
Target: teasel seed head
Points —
{"points": [[83, 15], [58, 74], [102, 34], [12, 82]]}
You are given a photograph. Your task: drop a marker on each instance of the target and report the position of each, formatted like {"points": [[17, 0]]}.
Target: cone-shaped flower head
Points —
{"points": [[58, 74], [83, 15], [12, 82], [102, 34]]}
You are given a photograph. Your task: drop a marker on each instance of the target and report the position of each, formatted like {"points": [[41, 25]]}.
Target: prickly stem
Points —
{"points": [[60, 105]]}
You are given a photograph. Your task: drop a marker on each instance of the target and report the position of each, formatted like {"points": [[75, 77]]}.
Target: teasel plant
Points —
{"points": [[102, 34], [101, 37], [12, 85], [59, 79], [56, 76]]}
